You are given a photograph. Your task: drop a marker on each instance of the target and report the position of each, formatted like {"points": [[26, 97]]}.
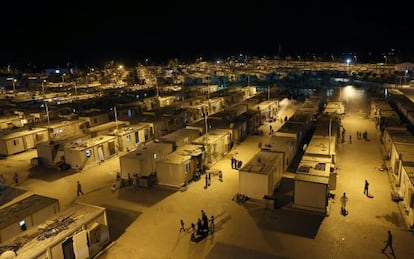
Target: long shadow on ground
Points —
{"points": [[49, 174], [9, 193], [284, 193], [144, 196], [119, 219], [283, 218]]}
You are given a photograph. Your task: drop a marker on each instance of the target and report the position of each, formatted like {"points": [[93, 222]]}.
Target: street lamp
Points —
{"points": [[43, 86], [348, 61], [47, 113]]}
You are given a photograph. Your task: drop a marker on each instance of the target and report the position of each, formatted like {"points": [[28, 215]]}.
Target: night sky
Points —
{"points": [[57, 32]]}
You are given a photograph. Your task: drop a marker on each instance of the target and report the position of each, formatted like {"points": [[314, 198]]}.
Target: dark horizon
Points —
{"points": [[93, 32]]}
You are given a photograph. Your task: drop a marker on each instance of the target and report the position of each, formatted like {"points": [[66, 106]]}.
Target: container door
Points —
{"points": [[80, 245], [67, 247], [101, 154]]}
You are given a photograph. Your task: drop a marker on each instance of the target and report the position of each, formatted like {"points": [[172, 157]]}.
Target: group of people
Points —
{"points": [[235, 164], [240, 198], [208, 178], [344, 198], [388, 241], [204, 227], [361, 135]]}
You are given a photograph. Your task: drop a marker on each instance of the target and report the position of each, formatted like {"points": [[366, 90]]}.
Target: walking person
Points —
{"points": [[205, 187], [366, 188], [203, 215], [388, 243], [182, 228], [79, 189], [129, 179], [16, 178], [350, 139], [344, 200], [193, 231], [2, 183], [113, 187], [199, 227], [212, 226]]}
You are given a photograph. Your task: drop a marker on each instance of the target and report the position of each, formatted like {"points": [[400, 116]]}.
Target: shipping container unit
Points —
{"points": [[322, 147], [13, 121], [80, 231], [65, 129], [311, 193], [17, 141], [379, 105], [106, 128], [268, 110], [181, 137], [298, 131], [142, 160], [401, 153], [395, 135], [406, 191], [334, 108], [215, 105], [237, 125], [96, 117], [25, 214], [195, 151], [90, 152], [174, 170], [313, 182], [283, 145], [51, 153], [389, 119], [129, 138], [165, 101], [312, 106], [158, 125], [175, 118], [302, 117], [260, 176], [216, 145]]}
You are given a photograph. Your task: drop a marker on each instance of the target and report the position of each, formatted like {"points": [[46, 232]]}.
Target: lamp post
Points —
{"points": [[43, 86], [348, 61], [47, 113], [116, 117]]}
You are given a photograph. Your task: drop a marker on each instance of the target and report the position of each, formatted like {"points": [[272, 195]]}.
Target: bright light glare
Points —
{"points": [[349, 91], [348, 61]]}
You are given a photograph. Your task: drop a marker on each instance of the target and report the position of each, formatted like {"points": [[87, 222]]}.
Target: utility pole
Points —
{"points": [[47, 113], [116, 118]]}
